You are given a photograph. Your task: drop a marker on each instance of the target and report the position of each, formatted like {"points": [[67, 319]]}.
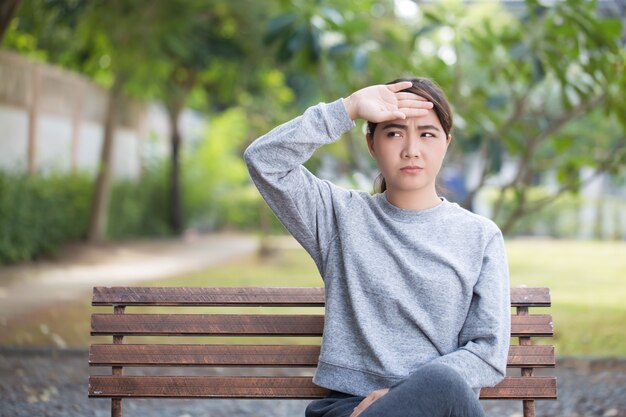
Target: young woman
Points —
{"points": [[417, 291]]}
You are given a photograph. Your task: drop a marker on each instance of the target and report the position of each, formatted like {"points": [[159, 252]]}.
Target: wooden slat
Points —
{"points": [[513, 388], [522, 388], [259, 355], [256, 296], [530, 297], [255, 325], [200, 296], [532, 325], [204, 387], [204, 355], [537, 356], [207, 324]]}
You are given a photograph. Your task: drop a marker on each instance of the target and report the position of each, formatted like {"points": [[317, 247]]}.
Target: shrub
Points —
{"points": [[40, 213], [139, 208], [37, 213]]}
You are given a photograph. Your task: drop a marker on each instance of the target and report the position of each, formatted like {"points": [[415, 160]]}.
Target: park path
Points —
{"points": [[78, 268]]}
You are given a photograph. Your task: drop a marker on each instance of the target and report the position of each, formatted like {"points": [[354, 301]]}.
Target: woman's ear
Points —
{"points": [[449, 139]]}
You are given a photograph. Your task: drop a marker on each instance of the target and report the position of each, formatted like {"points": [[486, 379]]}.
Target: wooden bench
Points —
{"points": [[118, 355]]}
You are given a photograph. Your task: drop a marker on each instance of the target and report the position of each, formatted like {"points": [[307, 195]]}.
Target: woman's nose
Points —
{"points": [[411, 148]]}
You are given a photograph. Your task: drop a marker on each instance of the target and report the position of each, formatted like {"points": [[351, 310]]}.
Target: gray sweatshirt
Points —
{"points": [[403, 288]]}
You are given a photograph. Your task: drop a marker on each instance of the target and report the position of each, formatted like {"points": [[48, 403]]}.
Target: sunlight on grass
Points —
{"points": [[290, 268], [586, 279]]}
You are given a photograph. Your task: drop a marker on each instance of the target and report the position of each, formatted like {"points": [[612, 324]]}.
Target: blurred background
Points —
{"points": [[123, 123]]}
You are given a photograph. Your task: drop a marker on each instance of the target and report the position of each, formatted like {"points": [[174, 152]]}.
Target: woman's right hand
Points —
{"points": [[381, 103], [369, 400]]}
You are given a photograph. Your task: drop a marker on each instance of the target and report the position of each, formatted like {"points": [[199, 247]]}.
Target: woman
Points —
{"points": [[417, 295]]}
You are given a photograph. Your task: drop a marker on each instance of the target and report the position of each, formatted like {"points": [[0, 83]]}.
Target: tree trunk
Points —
{"points": [[7, 11], [176, 206], [100, 200]]}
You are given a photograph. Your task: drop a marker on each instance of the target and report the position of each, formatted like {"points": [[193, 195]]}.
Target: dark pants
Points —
{"points": [[432, 391]]}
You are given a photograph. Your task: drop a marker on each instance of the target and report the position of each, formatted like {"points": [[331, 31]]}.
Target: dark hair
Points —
{"points": [[428, 89]]}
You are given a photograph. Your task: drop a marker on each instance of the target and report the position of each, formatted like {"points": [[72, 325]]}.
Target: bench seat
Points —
{"points": [[271, 327]]}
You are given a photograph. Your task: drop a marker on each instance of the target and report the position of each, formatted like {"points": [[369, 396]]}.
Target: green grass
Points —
{"points": [[586, 279], [587, 282]]}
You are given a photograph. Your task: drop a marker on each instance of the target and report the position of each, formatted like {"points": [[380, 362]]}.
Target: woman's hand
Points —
{"points": [[369, 400], [381, 103]]}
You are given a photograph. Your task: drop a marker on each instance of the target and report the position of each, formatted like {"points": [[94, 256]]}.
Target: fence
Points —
{"points": [[52, 119]]}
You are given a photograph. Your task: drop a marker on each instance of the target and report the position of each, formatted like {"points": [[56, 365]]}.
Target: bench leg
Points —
{"points": [[529, 408], [116, 407], [116, 403]]}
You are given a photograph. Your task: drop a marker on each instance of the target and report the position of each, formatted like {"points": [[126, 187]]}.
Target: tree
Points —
{"points": [[118, 44], [325, 51], [131, 36], [190, 51], [7, 10], [208, 50], [518, 82]]}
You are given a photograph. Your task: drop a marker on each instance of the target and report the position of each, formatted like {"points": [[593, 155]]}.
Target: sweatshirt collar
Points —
{"points": [[410, 216]]}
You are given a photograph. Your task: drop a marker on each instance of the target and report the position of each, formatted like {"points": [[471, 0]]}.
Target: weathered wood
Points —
{"points": [[256, 296], [200, 296], [204, 355], [255, 325], [207, 324], [33, 119], [530, 297], [522, 388], [204, 387], [537, 356], [524, 325], [76, 121], [259, 355], [528, 407], [118, 340], [513, 388], [532, 325]]}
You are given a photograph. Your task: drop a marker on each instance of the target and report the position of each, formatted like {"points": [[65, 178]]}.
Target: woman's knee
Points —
{"points": [[439, 380], [438, 390]]}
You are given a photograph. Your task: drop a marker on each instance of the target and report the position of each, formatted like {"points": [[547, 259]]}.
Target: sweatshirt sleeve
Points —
{"points": [[484, 339], [301, 201]]}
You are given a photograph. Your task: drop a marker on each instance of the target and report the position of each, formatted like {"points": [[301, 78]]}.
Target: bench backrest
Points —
{"points": [[272, 327]]}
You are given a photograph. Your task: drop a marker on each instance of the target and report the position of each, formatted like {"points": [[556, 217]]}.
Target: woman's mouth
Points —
{"points": [[411, 169]]}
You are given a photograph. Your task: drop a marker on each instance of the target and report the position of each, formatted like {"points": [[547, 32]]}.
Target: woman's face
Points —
{"points": [[409, 152]]}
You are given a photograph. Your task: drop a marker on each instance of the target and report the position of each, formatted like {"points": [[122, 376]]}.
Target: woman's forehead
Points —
{"points": [[414, 122]]}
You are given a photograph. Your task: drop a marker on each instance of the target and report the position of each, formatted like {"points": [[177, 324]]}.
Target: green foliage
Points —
{"points": [[217, 191], [140, 208], [542, 85], [214, 172], [38, 214], [528, 85], [242, 209]]}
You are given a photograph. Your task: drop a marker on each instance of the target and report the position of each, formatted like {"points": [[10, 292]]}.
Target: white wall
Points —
{"points": [[64, 99], [13, 134]]}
